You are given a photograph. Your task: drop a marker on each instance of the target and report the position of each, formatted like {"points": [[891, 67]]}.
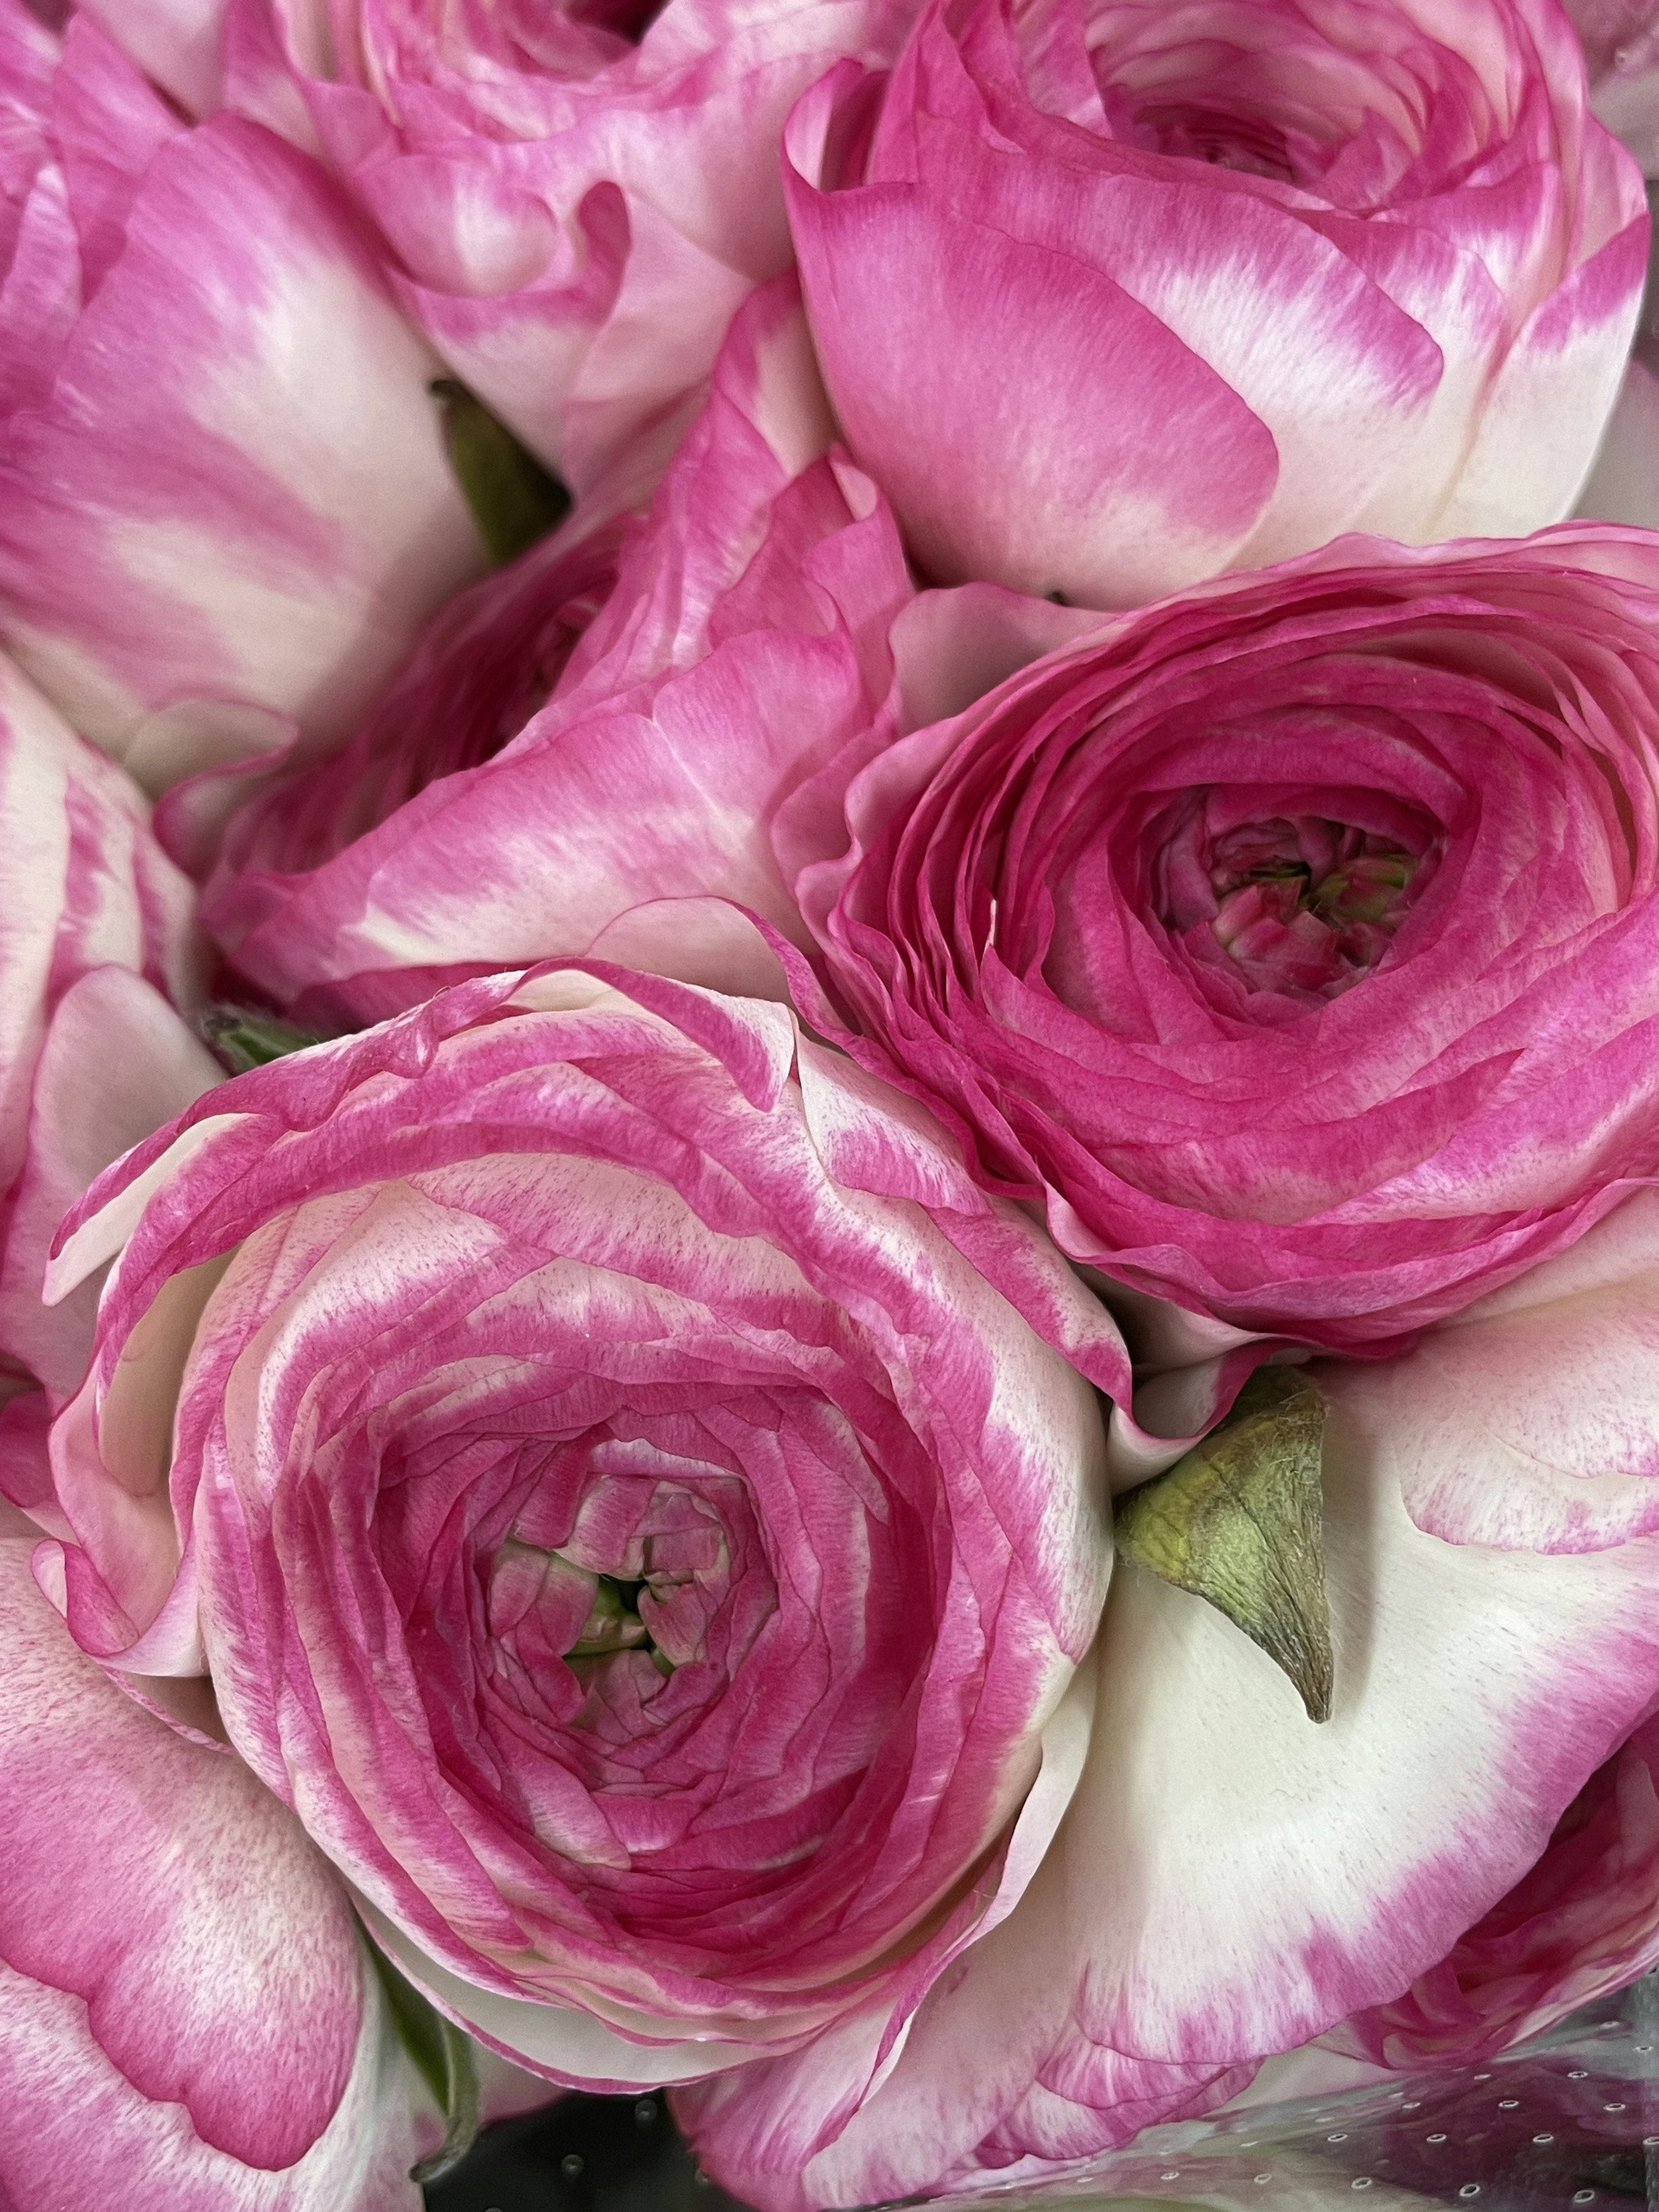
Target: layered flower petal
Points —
{"points": [[1291, 943], [649, 1562], [573, 202], [99, 962], [768, 573], [1178, 291]]}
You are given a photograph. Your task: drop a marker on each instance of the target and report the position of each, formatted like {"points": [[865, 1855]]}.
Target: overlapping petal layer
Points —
{"points": [[648, 1562], [1176, 291], [1294, 942], [573, 202], [99, 956], [744, 644], [225, 508]]}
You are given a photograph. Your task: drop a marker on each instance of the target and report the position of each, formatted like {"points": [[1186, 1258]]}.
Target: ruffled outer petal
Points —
{"points": [[189, 2016], [1232, 1879], [1344, 1163]]}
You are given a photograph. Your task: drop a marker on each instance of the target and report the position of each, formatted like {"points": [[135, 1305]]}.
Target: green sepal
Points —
{"points": [[241, 1037], [514, 500], [1239, 1522], [446, 2061]]}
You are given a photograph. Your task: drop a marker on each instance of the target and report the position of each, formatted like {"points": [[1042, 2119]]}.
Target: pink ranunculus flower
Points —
{"points": [[1466, 1852], [100, 970], [1113, 295], [745, 645], [1295, 943], [585, 1430], [189, 2021], [225, 507], [576, 198]]}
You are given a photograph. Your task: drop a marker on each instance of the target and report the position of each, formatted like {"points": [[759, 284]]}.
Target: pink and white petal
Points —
{"points": [[765, 572], [1448, 291], [238, 489], [77, 2123], [198, 1975], [522, 351], [1544, 412], [1232, 1879], [1326, 360], [529, 857], [673, 306], [1581, 1923], [950, 648], [809, 2096], [574, 2049], [706, 941], [922, 315], [35, 853], [81, 884]]}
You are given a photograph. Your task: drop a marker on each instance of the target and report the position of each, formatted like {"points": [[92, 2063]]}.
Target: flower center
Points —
{"points": [[1300, 906], [613, 1624], [1206, 80], [1225, 142], [591, 1606]]}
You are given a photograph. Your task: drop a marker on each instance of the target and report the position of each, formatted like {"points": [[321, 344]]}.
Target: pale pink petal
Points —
{"points": [[80, 1121], [766, 571], [190, 2019], [1014, 333], [1551, 1378], [572, 218], [249, 506], [1543, 417]]}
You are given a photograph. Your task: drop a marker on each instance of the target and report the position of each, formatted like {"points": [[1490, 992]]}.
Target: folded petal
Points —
{"points": [[572, 213], [98, 956]]}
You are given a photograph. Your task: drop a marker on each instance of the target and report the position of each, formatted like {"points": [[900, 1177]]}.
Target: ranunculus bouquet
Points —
{"points": [[829, 1073]]}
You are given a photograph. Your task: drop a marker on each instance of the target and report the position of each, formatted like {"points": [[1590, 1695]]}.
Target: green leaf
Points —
{"points": [[514, 500], [1239, 1522], [446, 2062], [241, 1037]]}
